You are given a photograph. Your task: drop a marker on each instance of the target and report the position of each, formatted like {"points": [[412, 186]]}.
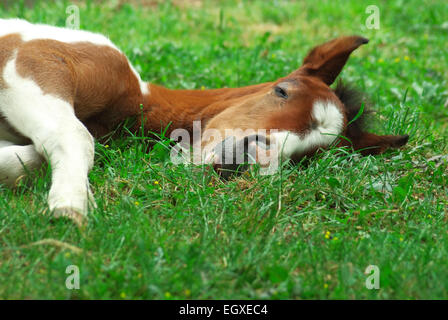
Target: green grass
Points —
{"points": [[165, 232]]}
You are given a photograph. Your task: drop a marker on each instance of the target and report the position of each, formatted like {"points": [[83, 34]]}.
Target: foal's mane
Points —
{"points": [[353, 99]]}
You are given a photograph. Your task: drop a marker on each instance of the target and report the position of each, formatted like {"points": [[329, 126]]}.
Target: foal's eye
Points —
{"points": [[280, 92]]}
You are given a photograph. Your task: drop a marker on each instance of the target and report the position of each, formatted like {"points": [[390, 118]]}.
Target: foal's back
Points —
{"points": [[82, 68]]}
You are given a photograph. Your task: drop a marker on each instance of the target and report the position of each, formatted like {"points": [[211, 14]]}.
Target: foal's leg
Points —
{"points": [[15, 161], [57, 135]]}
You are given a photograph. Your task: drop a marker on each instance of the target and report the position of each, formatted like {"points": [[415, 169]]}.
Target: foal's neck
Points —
{"points": [[175, 109]]}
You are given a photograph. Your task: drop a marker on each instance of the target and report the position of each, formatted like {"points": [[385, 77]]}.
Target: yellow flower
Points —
{"points": [[137, 203], [325, 285], [429, 216], [156, 182], [106, 146], [335, 238], [202, 88], [327, 235], [380, 60], [397, 60], [187, 292], [406, 58], [67, 255], [167, 295], [401, 238], [123, 295]]}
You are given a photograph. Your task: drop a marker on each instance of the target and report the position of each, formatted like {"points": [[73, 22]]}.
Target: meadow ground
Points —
{"points": [[166, 232]]}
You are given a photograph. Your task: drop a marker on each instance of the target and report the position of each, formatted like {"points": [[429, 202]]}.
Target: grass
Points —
{"points": [[171, 232]]}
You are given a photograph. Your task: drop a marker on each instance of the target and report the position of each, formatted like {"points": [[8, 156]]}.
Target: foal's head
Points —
{"points": [[299, 114]]}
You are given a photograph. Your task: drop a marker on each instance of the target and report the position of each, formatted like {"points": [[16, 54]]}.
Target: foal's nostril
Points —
{"points": [[235, 156], [226, 161]]}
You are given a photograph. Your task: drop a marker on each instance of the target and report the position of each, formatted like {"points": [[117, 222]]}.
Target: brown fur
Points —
{"points": [[98, 82], [8, 44], [92, 78], [181, 107]]}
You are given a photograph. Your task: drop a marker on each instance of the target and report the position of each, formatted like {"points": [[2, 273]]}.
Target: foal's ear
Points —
{"points": [[327, 60], [369, 143]]}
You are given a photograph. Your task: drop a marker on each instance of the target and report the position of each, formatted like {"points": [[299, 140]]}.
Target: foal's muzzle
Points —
{"points": [[234, 156]]}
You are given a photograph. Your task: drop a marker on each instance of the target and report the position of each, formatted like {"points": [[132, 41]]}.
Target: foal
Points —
{"points": [[59, 88]]}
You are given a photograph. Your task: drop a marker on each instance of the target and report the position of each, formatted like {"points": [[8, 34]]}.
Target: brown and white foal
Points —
{"points": [[59, 88]]}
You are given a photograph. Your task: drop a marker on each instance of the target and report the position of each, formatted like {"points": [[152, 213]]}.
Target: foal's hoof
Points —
{"points": [[71, 214]]}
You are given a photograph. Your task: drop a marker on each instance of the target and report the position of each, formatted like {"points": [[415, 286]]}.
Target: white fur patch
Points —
{"points": [[29, 31], [328, 117], [15, 161], [57, 135], [329, 123]]}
